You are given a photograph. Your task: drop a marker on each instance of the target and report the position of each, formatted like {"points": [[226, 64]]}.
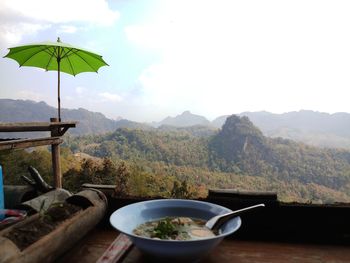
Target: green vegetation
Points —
{"points": [[181, 163], [131, 178]]}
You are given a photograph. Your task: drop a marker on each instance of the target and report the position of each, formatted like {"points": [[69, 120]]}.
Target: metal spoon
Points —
{"points": [[216, 222]]}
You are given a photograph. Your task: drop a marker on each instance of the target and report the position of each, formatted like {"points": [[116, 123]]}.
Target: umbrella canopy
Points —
{"points": [[57, 56]]}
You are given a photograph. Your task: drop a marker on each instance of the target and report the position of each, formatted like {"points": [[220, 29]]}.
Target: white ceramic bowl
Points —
{"points": [[127, 218]]}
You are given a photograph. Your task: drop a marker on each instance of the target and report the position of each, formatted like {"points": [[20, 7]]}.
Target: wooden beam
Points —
{"points": [[63, 130], [57, 130], [26, 143], [36, 126]]}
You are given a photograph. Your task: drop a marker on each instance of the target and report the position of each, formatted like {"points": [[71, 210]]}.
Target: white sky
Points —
{"points": [[209, 57]]}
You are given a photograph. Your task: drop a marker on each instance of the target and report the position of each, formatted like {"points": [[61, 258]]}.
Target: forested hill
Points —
{"points": [[310, 127], [239, 148]]}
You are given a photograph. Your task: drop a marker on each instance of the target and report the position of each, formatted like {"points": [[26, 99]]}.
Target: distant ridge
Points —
{"points": [[304, 120], [30, 111], [310, 127], [184, 120]]}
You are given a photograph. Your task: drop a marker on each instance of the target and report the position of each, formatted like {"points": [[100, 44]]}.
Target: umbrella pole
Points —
{"points": [[59, 91], [56, 162]]}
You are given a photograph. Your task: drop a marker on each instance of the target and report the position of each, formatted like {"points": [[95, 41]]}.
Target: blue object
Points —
{"points": [[2, 202], [127, 218]]}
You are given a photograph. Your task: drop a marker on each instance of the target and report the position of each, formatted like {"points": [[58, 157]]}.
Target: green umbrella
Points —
{"points": [[57, 56]]}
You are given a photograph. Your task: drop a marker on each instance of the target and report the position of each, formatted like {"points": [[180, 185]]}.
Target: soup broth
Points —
{"points": [[174, 228]]}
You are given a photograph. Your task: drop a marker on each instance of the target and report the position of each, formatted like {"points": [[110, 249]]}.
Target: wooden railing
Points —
{"points": [[56, 129]]}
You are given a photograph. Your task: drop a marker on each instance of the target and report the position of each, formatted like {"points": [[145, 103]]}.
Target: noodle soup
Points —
{"points": [[174, 228]]}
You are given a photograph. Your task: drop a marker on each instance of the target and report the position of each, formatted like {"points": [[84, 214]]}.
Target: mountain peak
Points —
{"points": [[240, 126], [238, 139], [187, 112], [185, 119]]}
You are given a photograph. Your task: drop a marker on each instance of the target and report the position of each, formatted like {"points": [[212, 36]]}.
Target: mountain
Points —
{"points": [[239, 150], [25, 111], [30, 111], [304, 120], [310, 127], [219, 121], [237, 141], [184, 120], [243, 146]]}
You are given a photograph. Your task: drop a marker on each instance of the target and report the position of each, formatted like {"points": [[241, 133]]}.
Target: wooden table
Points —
{"points": [[92, 247], [252, 252]]}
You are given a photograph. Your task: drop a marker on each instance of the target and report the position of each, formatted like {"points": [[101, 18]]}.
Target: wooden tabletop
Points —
{"points": [[239, 251], [93, 246]]}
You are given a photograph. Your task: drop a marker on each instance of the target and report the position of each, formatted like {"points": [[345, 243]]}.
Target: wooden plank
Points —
{"points": [[239, 251], [35, 126], [26, 143], [93, 246], [119, 247], [232, 193]]}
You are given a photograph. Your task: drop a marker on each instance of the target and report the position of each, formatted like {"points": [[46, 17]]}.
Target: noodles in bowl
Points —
{"points": [[157, 215], [174, 228]]}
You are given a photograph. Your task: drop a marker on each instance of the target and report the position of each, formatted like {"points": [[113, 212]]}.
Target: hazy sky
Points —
{"points": [[210, 57]]}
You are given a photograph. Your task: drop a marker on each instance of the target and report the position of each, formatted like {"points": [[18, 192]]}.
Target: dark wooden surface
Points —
{"points": [[90, 249], [278, 233], [253, 252]]}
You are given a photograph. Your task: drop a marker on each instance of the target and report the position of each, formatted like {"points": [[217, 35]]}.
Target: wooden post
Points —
{"points": [[57, 130], [56, 162]]}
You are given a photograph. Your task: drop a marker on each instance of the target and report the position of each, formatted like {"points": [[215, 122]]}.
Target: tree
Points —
{"points": [[181, 190], [122, 180]]}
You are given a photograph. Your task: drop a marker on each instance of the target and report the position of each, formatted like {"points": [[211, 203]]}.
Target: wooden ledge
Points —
{"points": [[26, 143], [232, 193], [35, 126]]}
